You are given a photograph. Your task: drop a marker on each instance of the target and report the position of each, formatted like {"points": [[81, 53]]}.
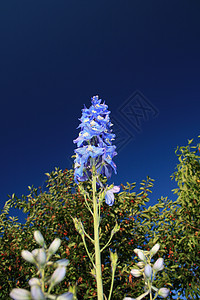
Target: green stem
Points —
{"points": [[50, 296], [107, 244], [87, 204], [42, 275], [149, 286], [89, 237], [88, 253], [151, 296], [96, 240], [112, 282], [155, 296]]}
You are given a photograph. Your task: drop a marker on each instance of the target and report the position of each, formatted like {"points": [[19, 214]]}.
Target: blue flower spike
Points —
{"points": [[94, 143]]}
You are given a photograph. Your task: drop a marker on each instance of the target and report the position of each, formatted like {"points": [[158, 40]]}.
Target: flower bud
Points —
{"points": [[54, 246], [41, 257], [66, 296], [79, 226], [35, 252], [136, 251], [20, 294], [36, 293], [141, 264], [62, 262], [136, 272], [141, 256], [159, 264], [163, 292], [58, 276], [155, 249], [113, 258], [148, 271], [28, 256], [115, 229], [138, 298], [39, 238], [72, 289], [34, 281]]}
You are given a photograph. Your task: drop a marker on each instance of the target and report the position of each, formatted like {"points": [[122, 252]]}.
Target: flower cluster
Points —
{"points": [[41, 258], [148, 271], [94, 143]]}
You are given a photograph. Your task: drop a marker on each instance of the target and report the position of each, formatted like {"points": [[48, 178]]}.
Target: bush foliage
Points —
{"points": [[173, 224]]}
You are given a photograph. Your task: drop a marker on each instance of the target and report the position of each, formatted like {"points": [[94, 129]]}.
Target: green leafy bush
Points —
{"points": [[175, 225]]}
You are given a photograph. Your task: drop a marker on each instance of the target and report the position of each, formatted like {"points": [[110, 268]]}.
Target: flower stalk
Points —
{"points": [[96, 240], [93, 160]]}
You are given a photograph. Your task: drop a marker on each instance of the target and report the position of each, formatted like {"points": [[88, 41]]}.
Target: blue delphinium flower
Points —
{"points": [[94, 143]]}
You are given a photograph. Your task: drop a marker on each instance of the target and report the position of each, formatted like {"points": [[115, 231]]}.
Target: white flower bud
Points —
{"points": [[163, 292], [148, 271], [58, 276], [36, 293], [34, 281], [141, 264], [63, 262], [155, 249], [138, 298], [159, 264], [141, 256], [28, 256], [136, 251], [20, 294], [39, 238], [66, 296], [41, 257], [136, 272], [35, 252], [54, 246]]}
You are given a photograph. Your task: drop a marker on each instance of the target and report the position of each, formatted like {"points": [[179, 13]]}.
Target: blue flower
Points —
{"points": [[109, 197], [94, 143]]}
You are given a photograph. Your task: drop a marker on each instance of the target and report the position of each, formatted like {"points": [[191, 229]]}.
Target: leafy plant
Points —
{"points": [[175, 225]]}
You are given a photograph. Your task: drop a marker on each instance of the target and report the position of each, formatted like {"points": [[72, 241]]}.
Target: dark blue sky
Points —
{"points": [[55, 55]]}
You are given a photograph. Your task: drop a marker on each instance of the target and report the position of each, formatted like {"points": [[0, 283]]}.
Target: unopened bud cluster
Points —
{"points": [[149, 270], [41, 258]]}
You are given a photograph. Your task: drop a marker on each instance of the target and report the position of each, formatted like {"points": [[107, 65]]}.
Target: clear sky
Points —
{"points": [[141, 56]]}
